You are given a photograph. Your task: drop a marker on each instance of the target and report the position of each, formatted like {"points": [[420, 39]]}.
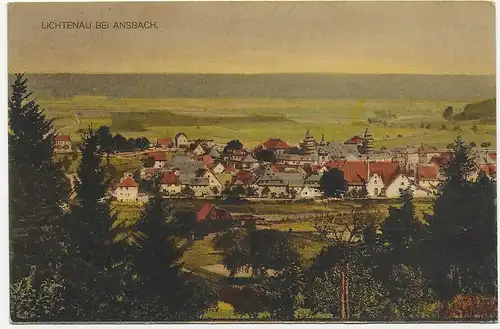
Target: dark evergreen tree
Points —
{"points": [[160, 290], [38, 189], [105, 140], [449, 252], [266, 156], [333, 183], [92, 267], [233, 145], [402, 232]]}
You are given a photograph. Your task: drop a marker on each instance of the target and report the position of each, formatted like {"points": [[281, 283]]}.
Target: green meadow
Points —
{"points": [[253, 120]]}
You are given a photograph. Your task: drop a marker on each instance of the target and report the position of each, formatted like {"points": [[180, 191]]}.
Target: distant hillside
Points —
{"points": [[484, 111], [307, 86]]}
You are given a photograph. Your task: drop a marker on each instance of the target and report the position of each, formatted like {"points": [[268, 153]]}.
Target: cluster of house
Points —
{"points": [[200, 169]]}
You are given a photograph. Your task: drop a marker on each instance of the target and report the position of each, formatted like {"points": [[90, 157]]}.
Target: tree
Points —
{"points": [[160, 291], [38, 189], [462, 211], [401, 233], [469, 307], [284, 292], [475, 129], [472, 144], [141, 143], [105, 140], [92, 266], [448, 113], [259, 250], [233, 145], [266, 156], [485, 144], [148, 162], [41, 302], [368, 300], [333, 183], [120, 143], [346, 227]]}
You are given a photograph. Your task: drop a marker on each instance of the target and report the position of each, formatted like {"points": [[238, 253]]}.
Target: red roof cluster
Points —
{"points": [[170, 178], [492, 155], [127, 182], [62, 138], [355, 172], [276, 144]]}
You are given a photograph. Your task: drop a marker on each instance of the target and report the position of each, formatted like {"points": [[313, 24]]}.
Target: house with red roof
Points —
{"points": [[275, 144], [355, 140], [209, 212], [230, 169], [62, 144], [170, 183], [127, 190], [160, 158], [165, 143]]}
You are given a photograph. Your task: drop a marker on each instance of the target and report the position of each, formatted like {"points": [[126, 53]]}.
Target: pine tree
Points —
{"points": [[402, 232], [93, 259], [37, 188], [448, 252], [160, 291]]}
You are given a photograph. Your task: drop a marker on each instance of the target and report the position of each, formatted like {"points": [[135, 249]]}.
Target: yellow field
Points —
{"points": [[337, 119]]}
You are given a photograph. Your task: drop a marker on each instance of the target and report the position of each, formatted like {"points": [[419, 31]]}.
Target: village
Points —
{"points": [[277, 170]]}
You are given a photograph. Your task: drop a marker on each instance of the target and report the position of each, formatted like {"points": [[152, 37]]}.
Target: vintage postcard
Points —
{"points": [[252, 161]]}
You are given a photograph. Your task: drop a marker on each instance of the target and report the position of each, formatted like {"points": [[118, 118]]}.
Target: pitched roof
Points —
{"points": [[354, 140], [230, 168], [164, 141], [492, 155], [169, 178], [62, 138], [202, 214], [245, 177], [275, 143], [427, 172], [179, 134], [207, 160], [127, 182], [355, 172], [209, 212], [158, 156]]}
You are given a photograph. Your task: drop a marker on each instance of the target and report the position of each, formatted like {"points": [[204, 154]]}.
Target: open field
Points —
{"points": [[253, 120]]}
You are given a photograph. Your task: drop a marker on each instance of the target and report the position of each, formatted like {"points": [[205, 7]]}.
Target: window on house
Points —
{"points": [[375, 191], [402, 183]]}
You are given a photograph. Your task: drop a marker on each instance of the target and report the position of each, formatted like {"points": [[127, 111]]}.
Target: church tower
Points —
{"points": [[367, 142], [309, 144]]}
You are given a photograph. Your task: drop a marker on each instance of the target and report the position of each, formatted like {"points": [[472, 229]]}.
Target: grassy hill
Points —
{"points": [[484, 111]]}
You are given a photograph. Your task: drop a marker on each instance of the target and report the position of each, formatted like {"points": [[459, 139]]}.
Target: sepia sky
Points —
{"points": [[257, 37]]}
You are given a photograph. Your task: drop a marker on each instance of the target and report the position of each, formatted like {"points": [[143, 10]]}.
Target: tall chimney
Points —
{"points": [[367, 169]]}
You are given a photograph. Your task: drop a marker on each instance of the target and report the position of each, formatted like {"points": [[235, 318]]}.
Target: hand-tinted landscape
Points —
{"points": [[253, 161]]}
